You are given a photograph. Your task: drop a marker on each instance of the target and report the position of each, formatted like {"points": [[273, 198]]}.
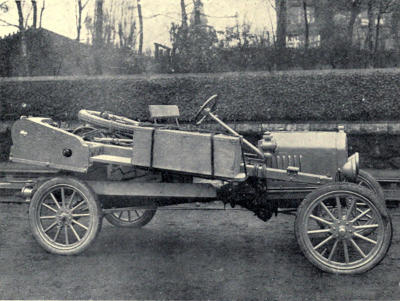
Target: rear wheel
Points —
{"points": [[131, 218], [340, 246], [64, 216]]}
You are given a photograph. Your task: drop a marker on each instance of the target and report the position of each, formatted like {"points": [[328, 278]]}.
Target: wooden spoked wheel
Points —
{"points": [[64, 216], [345, 210], [131, 218]]}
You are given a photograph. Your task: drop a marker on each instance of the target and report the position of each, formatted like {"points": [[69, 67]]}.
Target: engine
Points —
{"points": [[251, 195], [321, 153]]}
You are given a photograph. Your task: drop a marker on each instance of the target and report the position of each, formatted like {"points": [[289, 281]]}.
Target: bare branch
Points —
{"points": [[41, 13], [5, 23], [86, 3]]}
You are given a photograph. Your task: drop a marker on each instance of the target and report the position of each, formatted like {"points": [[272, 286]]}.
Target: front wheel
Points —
{"points": [[365, 179], [340, 246], [131, 218], [64, 216]]}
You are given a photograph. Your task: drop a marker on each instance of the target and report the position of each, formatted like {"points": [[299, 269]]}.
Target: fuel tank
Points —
{"points": [[312, 152]]}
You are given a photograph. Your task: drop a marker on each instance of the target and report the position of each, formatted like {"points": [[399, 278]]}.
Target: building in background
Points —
{"points": [[323, 21]]}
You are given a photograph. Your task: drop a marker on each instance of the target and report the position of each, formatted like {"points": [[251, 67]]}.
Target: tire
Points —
{"points": [[124, 219], [341, 247], [365, 179], [65, 216], [108, 121]]}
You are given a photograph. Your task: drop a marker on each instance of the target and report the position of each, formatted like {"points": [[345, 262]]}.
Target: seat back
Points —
{"points": [[164, 112]]}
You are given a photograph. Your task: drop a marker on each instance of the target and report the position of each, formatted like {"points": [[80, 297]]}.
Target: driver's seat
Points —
{"points": [[164, 112]]}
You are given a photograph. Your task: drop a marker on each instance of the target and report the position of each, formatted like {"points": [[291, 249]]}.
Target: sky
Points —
{"points": [[59, 16]]}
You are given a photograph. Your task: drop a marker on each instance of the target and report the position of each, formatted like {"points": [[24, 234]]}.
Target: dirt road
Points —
{"points": [[184, 255]]}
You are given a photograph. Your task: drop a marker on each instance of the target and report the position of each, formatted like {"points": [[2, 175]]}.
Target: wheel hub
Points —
{"points": [[342, 229], [64, 217]]}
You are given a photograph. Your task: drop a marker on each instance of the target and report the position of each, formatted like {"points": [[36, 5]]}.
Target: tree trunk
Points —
{"points": [[370, 32], [281, 13], [354, 12], [324, 14], [20, 15], [79, 21], [139, 7], [306, 27], [184, 15], [395, 26], [41, 13], [98, 37], [377, 31], [23, 46], [34, 8]]}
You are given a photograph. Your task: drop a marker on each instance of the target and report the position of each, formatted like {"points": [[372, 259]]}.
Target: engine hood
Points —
{"points": [[312, 152]]}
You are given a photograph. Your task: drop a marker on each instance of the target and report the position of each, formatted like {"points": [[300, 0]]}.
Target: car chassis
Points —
{"points": [[124, 170]]}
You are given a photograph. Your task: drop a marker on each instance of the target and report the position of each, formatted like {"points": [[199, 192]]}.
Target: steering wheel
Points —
{"points": [[108, 120], [210, 104]]}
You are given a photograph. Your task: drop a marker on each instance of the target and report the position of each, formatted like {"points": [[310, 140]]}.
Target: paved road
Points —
{"points": [[184, 255]]}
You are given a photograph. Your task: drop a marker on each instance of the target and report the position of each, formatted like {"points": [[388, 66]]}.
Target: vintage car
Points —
{"points": [[123, 170]]}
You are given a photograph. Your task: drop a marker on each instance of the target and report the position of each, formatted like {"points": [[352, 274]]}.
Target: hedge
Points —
{"points": [[356, 95]]}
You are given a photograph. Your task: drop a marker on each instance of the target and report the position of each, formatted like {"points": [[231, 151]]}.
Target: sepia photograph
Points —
{"points": [[199, 149]]}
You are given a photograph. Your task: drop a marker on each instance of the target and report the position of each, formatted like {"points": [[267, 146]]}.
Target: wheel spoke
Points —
{"points": [[317, 218], [346, 251], [357, 248], [339, 207], [48, 217], [323, 242], [333, 249], [319, 231], [328, 211], [66, 235], [365, 238], [79, 224], [50, 227], [360, 215], [353, 202], [55, 200], [138, 215], [49, 207], [129, 216], [81, 214], [57, 233], [366, 226], [63, 197], [359, 210], [323, 252], [77, 206], [75, 233], [120, 214], [71, 198]]}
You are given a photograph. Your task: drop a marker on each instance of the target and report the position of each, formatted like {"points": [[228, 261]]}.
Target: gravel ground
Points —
{"points": [[184, 255]]}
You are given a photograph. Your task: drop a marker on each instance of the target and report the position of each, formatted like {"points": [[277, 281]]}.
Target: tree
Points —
{"points": [[355, 9], [23, 46], [384, 7], [98, 36], [34, 7], [194, 45], [184, 15], [118, 24], [80, 6], [41, 13], [306, 26], [281, 12], [139, 8]]}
